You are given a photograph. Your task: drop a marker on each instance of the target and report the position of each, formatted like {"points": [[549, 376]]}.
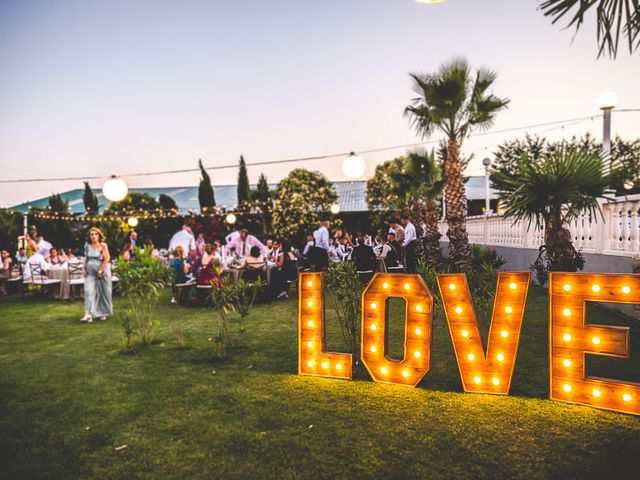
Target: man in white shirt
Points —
{"points": [[409, 244], [36, 260], [184, 238], [242, 244], [319, 254]]}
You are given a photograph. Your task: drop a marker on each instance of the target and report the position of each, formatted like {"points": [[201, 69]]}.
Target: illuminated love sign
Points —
{"points": [[481, 371]]}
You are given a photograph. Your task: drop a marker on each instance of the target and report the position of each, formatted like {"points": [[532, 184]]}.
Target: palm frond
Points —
{"points": [[615, 19]]}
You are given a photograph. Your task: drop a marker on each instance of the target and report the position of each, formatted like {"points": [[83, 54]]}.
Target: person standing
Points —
{"points": [[5, 271], [319, 258], [242, 244], [97, 273], [409, 244], [184, 238]]}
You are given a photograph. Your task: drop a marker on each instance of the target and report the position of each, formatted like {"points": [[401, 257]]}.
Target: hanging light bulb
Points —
{"points": [[335, 209], [133, 222], [353, 166], [115, 189], [231, 218]]}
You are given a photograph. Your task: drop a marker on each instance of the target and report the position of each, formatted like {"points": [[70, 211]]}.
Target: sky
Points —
{"points": [[94, 88]]}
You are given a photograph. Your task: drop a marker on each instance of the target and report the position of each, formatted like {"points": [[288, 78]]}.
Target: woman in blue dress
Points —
{"points": [[97, 274]]}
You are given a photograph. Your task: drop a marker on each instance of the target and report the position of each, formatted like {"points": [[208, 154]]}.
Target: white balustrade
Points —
{"points": [[615, 232]]}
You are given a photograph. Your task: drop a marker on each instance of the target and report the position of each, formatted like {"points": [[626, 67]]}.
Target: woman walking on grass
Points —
{"points": [[97, 273]]}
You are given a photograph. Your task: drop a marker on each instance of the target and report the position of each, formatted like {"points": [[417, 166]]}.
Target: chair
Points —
{"points": [[76, 277], [396, 269], [39, 278], [251, 273], [365, 276]]}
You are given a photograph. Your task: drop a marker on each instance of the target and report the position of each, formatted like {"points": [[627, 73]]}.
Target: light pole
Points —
{"points": [[607, 102], [487, 205]]}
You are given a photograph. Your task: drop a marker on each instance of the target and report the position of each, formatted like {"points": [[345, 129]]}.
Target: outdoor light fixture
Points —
{"points": [[607, 101], [490, 373], [231, 218], [335, 209], [417, 325], [571, 337], [482, 371], [115, 189], [353, 166], [133, 222], [312, 359]]}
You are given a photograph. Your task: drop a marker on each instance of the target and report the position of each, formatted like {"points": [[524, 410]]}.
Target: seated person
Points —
{"points": [[255, 266], [363, 255], [36, 260], [180, 269], [344, 249], [57, 258], [389, 251], [21, 256], [284, 271], [254, 260], [210, 263], [5, 271]]}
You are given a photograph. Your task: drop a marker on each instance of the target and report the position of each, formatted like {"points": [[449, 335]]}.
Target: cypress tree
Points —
{"points": [[90, 200], [243, 182], [262, 191], [205, 190]]}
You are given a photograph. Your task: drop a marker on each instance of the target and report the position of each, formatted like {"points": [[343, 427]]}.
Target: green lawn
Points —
{"points": [[69, 397]]}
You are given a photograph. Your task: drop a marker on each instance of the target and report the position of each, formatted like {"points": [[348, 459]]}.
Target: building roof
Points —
{"points": [[351, 196]]}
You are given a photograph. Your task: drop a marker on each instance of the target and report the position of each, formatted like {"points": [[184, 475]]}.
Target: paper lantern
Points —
{"points": [[417, 327], [571, 338], [312, 359], [490, 372]]}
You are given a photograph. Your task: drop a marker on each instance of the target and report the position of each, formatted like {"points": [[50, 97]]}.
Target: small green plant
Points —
{"points": [[246, 293], [127, 338], [141, 280], [429, 274], [482, 277], [344, 293], [224, 299]]}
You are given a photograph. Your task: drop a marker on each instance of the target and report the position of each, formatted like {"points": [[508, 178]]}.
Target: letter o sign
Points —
{"points": [[417, 327]]}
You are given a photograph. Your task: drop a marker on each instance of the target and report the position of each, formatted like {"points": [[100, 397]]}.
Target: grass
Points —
{"points": [[69, 397]]}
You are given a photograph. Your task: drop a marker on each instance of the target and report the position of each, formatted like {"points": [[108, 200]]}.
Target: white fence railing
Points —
{"points": [[618, 233]]}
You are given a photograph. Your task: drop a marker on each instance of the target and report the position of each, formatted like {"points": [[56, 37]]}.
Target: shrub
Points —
{"points": [[345, 291], [141, 281]]}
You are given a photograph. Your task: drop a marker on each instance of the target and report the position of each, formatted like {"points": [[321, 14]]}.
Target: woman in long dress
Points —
{"points": [[97, 273]]}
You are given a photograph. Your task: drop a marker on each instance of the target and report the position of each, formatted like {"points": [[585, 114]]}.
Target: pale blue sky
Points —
{"points": [[97, 87]]}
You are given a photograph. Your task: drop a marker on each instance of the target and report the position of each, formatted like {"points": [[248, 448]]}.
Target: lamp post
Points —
{"points": [[487, 205], [607, 102]]}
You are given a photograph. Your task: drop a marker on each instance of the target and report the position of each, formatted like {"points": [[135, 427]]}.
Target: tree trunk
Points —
{"points": [[456, 203]]}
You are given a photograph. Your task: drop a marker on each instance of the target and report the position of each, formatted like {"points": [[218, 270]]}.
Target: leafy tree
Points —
{"points": [[262, 197], [167, 203], [551, 192], [10, 229], [90, 199], [243, 182], [625, 156], [58, 205], [134, 201], [206, 196], [614, 19], [412, 183], [455, 102], [302, 198]]}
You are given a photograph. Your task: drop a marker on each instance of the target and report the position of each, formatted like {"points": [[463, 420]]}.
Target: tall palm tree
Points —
{"points": [[455, 102], [551, 192], [614, 18]]}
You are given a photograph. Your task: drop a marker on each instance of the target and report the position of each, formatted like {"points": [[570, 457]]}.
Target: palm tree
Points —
{"points": [[455, 102], [424, 186], [614, 18], [550, 193]]}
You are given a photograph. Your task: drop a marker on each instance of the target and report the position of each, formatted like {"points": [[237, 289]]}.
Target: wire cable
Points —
{"points": [[569, 121]]}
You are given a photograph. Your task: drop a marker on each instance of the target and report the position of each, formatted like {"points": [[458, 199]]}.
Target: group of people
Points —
{"points": [[196, 260], [395, 248], [193, 259]]}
